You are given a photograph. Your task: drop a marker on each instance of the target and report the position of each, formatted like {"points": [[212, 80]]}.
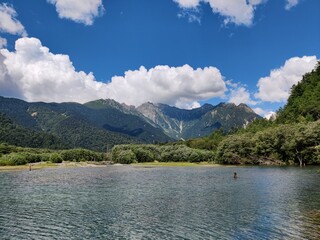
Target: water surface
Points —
{"points": [[160, 203]]}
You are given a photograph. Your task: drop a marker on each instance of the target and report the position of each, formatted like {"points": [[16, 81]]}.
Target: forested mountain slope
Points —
{"points": [[304, 101], [101, 124]]}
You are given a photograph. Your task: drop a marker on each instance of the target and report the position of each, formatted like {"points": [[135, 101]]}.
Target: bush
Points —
{"points": [[80, 155], [31, 158], [144, 155], [55, 158], [13, 159], [44, 157], [125, 157], [5, 149]]}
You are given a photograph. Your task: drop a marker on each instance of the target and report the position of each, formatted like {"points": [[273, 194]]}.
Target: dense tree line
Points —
{"points": [[13, 155], [281, 144], [133, 153]]}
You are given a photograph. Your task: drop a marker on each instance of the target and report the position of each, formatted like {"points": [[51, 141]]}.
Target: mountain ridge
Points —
{"points": [[102, 122], [183, 123]]}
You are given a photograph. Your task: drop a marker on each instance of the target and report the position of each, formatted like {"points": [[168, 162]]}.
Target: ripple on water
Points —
{"points": [[160, 203]]}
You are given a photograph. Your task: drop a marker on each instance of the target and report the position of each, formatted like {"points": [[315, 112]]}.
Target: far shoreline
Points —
{"points": [[45, 165], [67, 164]]}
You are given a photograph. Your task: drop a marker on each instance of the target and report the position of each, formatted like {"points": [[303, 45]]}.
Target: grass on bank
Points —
{"points": [[67, 164], [43, 165], [27, 166]]}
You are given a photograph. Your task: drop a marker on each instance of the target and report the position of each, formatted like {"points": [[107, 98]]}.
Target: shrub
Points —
{"points": [[31, 158], [13, 159], [143, 155], [125, 157], [55, 158], [80, 155], [44, 157], [5, 149]]}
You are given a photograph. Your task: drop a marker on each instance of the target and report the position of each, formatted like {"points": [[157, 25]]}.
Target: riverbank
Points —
{"points": [[66, 164], [43, 165]]}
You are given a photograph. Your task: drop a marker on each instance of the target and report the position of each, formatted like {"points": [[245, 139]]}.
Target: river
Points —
{"points": [[125, 202]]}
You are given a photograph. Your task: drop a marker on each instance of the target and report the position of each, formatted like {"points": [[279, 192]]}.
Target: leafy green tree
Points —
{"points": [[236, 149], [13, 159], [55, 158], [143, 155], [125, 157], [80, 155]]}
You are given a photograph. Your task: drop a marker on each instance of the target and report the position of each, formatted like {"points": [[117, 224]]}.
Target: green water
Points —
{"points": [[160, 203]]}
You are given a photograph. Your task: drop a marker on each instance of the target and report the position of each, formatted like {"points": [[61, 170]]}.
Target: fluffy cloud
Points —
{"points": [[3, 42], [276, 87], [188, 3], [8, 21], [81, 11], [291, 3], [241, 95], [179, 86], [239, 12], [265, 113], [33, 73]]}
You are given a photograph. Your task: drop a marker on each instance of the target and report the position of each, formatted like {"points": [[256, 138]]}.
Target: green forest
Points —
{"points": [[290, 138]]}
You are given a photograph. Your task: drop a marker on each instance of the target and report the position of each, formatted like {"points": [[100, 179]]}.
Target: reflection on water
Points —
{"points": [[160, 203]]}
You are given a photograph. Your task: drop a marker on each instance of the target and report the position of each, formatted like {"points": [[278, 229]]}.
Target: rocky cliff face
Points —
{"points": [[171, 126], [199, 122]]}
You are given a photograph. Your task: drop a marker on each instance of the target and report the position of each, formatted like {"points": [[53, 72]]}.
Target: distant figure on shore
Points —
{"points": [[235, 175], [30, 167]]}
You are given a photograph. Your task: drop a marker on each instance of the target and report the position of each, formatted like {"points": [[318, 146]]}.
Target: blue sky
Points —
{"points": [[179, 52]]}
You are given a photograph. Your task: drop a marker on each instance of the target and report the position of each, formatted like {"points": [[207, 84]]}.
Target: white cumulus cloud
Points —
{"points": [[33, 73], [241, 95], [276, 87], [188, 3], [81, 11], [264, 113], [3, 42], [291, 3], [179, 86], [9, 22], [239, 12]]}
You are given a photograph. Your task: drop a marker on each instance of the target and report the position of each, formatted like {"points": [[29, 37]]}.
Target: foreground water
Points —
{"points": [[160, 203]]}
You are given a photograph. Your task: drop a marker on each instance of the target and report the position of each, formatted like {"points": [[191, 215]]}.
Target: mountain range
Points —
{"points": [[101, 124]]}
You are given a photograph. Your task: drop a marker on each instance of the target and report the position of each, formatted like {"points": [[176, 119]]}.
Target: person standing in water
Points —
{"points": [[235, 175]]}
